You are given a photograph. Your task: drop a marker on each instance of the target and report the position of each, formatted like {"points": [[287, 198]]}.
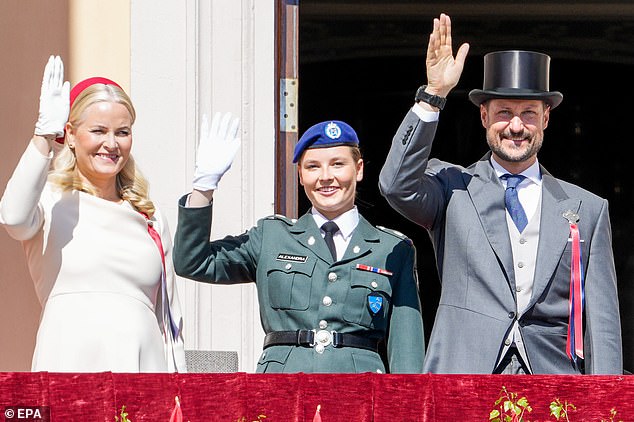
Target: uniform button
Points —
{"points": [[378, 371], [374, 284], [319, 348], [507, 342], [327, 301], [518, 289], [323, 324], [522, 241], [356, 249], [511, 314], [332, 277], [288, 266], [263, 355], [294, 220], [520, 265]]}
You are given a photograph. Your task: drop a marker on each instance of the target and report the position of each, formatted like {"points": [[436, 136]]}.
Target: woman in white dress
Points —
{"points": [[92, 236]]}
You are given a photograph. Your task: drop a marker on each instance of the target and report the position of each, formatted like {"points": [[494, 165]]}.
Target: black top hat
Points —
{"points": [[516, 74]]}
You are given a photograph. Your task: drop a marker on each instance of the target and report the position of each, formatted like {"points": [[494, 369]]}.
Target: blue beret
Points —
{"points": [[331, 133]]}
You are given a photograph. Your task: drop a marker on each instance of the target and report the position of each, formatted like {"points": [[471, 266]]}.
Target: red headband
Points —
{"points": [[81, 86]]}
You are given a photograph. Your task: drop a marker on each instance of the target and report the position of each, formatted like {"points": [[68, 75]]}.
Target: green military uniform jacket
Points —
{"points": [[300, 287]]}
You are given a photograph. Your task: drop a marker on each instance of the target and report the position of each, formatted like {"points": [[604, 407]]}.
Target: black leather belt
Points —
{"points": [[311, 338]]}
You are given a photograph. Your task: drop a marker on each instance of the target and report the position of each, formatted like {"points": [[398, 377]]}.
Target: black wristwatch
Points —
{"points": [[433, 100]]}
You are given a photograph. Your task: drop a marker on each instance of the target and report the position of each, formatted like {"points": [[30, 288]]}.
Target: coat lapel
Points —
{"points": [[487, 195], [364, 237], [554, 231], [308, 235]]}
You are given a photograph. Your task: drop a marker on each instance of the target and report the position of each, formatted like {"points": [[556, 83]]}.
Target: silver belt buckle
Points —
{"points": [[323, 337]]}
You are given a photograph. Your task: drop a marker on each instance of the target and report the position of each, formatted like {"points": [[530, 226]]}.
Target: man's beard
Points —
{"points": [[534, 145]]}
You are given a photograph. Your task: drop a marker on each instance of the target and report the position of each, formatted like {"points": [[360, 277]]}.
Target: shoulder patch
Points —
{"points": [[395, 233], [280, 217]]}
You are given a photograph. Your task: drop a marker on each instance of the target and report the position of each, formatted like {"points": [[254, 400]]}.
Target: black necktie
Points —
{"points": [[330, 228], [512, 201]]}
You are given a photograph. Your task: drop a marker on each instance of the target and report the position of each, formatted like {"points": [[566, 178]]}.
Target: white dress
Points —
{"points": [[97, 274]]}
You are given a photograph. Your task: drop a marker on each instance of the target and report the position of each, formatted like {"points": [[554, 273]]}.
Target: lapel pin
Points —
{"points": [[572, 217]]}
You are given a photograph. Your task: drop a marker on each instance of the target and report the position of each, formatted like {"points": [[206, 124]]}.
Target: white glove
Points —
{"points": [[217, 147], [54, 100]]}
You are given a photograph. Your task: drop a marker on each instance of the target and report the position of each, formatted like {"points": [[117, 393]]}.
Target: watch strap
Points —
{"points": [[433, 100]]}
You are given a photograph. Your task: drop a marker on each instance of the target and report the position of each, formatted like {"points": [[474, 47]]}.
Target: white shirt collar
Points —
{"points": [[347, 221], [532, 173]]}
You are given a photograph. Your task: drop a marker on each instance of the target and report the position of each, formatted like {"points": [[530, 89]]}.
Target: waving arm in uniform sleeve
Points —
{"points": [[226, 260]]}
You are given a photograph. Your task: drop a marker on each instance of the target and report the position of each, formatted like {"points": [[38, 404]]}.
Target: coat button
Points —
{"points": [[288, 266], [522, 241], [311, 240], [332, 277], [511, 315], [520, 265], [378, 371], [319, 348], [518, 289], [323, 324], [374, 284], [327, 301], [356, 249], [507, 342]]}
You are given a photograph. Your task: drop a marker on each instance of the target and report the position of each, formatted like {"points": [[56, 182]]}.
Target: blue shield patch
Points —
{"points": [[375, 303]]}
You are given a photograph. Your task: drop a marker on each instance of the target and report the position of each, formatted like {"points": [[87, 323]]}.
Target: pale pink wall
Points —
{"points": [[30, 30]]}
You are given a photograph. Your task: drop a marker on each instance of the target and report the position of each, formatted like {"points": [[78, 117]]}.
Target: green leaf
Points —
{"points": [[508, 405], [494, 414], [522, 402]]}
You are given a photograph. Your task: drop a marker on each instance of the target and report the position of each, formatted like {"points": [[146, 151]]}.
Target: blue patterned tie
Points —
{"points": [[512, 202]]}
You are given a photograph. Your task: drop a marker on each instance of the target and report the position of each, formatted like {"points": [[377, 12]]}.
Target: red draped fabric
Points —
{"points": [[295, 397]]}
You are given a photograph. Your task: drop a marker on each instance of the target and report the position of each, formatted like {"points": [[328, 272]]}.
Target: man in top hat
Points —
{"points": [[525, 259]]}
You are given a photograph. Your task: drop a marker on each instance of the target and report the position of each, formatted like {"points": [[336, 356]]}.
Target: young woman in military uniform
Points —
{"points": [[330, 285]]}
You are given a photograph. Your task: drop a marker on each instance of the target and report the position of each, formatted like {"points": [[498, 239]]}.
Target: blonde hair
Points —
{"points": [[131, 184]]}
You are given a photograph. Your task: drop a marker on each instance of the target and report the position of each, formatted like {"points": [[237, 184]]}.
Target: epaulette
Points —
{"points": [[395, 233], [289, 221]]}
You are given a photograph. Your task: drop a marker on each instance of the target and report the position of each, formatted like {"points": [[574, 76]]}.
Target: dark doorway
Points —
{"points": [[362, 65]]}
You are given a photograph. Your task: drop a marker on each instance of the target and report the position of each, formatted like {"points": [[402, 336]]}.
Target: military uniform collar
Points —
{"points": [[346, 222]]}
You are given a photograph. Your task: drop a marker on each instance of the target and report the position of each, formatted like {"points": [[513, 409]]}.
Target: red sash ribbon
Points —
{"points": [[574, 340], [168, 320]]}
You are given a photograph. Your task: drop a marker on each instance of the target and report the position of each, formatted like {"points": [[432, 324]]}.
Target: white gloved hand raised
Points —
{"points": [[54, 100], [217, 148]]}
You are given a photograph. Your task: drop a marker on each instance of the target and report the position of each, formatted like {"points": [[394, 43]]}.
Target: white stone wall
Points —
{"points": [[189, 58]]}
